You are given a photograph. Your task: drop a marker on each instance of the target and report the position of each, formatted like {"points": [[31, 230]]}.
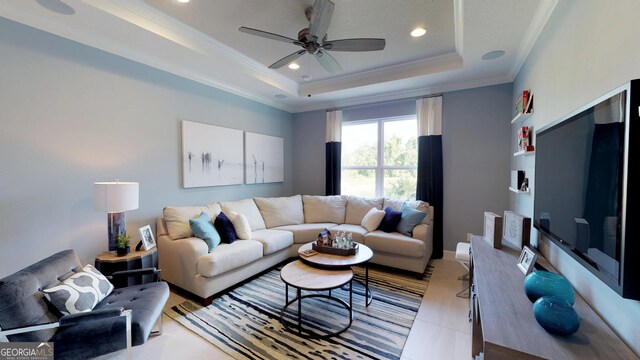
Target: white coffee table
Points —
{"points": [[304, 277], [338, 262]]}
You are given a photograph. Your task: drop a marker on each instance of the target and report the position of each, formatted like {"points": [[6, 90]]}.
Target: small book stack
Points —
{"points": [[524, 103], [524, 143]]}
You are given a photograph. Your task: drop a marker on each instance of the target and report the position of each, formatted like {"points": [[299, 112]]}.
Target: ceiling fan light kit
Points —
{"points": [[314, 41]]}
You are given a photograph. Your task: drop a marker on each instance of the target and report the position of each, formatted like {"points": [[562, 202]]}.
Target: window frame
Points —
{"points": [[380, 168]]}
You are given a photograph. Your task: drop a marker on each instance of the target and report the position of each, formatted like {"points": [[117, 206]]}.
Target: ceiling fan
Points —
{"points": [[314, 39]]}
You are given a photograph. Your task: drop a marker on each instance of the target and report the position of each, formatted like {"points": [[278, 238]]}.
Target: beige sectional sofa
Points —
{"points": [[279, 226]]}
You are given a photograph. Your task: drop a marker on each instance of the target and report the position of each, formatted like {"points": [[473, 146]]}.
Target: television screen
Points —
{"points": [[579, 185]]}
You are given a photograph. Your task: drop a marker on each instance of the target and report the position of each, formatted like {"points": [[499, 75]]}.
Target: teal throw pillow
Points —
{"points": [[409, 219], [203, 228]]}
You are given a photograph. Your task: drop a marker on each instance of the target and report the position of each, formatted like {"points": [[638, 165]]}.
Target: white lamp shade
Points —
{"points": [[115, 196]]}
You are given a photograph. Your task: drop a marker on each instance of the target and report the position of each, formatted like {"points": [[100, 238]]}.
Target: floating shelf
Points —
{"points": [[523, 152], [518, 191], [521, 116]]}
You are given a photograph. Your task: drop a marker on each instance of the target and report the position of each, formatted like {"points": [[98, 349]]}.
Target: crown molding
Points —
{"points": [[538, 22], [458, 26]]}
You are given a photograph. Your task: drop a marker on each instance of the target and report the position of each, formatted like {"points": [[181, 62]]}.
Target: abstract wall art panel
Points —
{"points": [[211, 155], [264, 158]]}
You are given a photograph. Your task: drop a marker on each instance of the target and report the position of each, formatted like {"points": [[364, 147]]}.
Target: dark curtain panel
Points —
{"points": [[333, 153], [429, 187], [605, 173]]}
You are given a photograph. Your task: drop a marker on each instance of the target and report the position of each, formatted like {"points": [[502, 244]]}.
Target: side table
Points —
{"points": [[109, 262]]}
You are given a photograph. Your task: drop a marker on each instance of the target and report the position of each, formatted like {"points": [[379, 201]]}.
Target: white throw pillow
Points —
{"points": [[372, 219], [241, 225]]}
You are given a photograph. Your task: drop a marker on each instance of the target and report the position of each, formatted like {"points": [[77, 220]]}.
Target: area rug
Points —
{"points": [[244, 322]]}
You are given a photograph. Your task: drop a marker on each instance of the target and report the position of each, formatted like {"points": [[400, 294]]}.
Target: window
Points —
{"points": [[379, 158]]}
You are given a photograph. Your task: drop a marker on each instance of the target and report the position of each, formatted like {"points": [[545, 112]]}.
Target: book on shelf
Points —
{"points": [[523, 102]]}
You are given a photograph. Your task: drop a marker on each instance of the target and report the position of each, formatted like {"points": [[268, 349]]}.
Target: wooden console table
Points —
{"points": [[502, 322]]}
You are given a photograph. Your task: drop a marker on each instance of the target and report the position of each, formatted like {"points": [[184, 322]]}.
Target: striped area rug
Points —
{"points": [[244, 322]]}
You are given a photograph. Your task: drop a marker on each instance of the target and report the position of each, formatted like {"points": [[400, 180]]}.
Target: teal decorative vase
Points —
{"points": [[544, 283], [556, 315]]}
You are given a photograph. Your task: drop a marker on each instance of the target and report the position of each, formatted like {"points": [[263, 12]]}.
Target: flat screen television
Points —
{"points": [[586, 177]]}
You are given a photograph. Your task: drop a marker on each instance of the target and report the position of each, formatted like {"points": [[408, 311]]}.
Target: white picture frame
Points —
{"points": [[527, 260], [146, 236], [211, 155], [263, 159]]}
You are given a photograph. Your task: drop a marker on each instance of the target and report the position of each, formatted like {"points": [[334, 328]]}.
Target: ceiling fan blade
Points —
{"points": [[287, 59], [320, 19], [368, 44], [269, 35], [328, 62]]}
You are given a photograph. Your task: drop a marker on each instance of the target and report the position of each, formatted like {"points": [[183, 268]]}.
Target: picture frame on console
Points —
{"points": [[527, 260], [492, 231], [517, 229]]}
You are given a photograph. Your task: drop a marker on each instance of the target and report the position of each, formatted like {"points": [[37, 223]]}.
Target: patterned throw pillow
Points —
{"points": [[80, 292]]}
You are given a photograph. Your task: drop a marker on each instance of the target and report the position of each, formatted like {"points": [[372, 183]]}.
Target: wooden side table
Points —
{"points": [[109, 262]]}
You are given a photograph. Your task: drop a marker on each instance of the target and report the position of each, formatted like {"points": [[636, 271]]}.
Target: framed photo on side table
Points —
{"points": [[146, 235], [527, 260]]}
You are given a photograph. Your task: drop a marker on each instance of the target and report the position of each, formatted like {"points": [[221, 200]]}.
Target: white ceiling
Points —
{"points": [[200, 41]]}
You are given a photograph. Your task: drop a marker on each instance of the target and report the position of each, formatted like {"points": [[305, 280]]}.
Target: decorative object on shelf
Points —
{"points": [[556, 315], [123, 244], [115, 198], [263, 159], [545, 283], [517, 177], [524, 102], [147, 237], [492, 231], [211, 155], [517, 229], [524, 139], [526, 261], [525, 185]]}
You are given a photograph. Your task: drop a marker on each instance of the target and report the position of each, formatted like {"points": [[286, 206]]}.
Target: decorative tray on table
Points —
{"points": [[335, 251]]}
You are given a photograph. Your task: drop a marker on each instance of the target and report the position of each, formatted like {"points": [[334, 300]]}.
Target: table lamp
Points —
{"points": [[115, 198]]}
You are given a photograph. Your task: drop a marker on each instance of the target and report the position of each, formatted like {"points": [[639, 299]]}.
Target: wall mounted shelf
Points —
{"points": [[524, 152], [521, 116], [518, 191]]}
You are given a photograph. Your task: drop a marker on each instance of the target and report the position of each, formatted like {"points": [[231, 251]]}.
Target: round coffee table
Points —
{"points": [[304, 277], [338, 262]]}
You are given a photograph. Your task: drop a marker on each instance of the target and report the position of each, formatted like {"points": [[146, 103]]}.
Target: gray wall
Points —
{"points": [[586, 49], [475, 153], [72, 115]]}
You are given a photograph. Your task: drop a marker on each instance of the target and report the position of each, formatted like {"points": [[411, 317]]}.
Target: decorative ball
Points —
{"points": [[544, 283], [556, 315]]}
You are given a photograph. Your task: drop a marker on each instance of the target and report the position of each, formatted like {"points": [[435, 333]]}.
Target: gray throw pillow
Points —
{"points": [[80, 292]]}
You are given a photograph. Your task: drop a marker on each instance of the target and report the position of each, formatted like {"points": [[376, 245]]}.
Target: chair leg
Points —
{"points": [[127, 314], [157, 327], [464, 277], [464, 293]]}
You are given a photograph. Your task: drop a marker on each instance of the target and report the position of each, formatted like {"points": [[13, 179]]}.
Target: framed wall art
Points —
{"points": [[492, 232], [263, 159], [517, 229], [211, 155]]}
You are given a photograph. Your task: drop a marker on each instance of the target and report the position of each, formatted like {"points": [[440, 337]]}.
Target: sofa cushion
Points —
{"points": [[227, 257], [177, 218], [273, 240], [357, 208], [281, 210], [390, 220], [324, 209], [225, 228], [248, 208], [409, 219], [395, 243], [203, 228], [357, 231], [80, 292], [241, 225], [372, 219], [304, 233], [416, 204]]}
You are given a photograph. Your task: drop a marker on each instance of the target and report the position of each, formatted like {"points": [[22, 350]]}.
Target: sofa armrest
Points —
{"points": [[423, 232], [90, 316]]}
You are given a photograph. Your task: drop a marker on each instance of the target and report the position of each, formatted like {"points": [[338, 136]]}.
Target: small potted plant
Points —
{"points": [[123, 244]]}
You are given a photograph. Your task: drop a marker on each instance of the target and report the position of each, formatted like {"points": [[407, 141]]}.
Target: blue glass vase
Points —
{"points": [[556, 315], [544, 283]]}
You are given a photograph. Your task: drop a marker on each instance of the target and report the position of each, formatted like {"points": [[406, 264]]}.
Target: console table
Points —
{"points": [[502, 322]]}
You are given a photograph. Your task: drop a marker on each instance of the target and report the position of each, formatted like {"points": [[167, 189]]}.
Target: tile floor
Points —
{"points": [[440, 330]]}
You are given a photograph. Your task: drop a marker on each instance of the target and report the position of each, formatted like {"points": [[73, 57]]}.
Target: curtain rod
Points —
{"points": [[382, 103]]}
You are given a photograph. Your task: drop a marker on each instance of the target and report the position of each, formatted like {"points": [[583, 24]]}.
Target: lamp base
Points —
{"points": [[116, 227]]}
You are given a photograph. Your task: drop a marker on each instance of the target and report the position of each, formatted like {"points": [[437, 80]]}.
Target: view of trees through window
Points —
{"points": [[379, 158]]}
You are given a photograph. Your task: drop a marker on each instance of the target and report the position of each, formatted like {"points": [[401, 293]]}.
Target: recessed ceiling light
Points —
{"points": [[280, 96], [417, 32], [57, 6], [183, 1], [294, 66], [493, 55]]}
